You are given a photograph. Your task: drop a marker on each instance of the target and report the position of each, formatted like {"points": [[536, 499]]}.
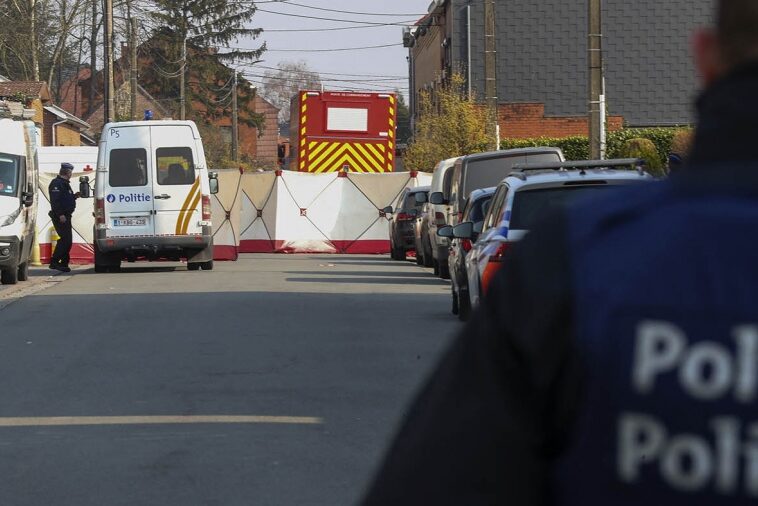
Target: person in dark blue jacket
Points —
{"points": [[63, 205], [615, 361]]}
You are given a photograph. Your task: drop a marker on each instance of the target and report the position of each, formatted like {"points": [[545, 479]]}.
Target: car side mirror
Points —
{"points": [[446, 232], [85, 191], [27, 199], [464, 230], [213, 182], [388, 210], [437, 198], [421, 198]]}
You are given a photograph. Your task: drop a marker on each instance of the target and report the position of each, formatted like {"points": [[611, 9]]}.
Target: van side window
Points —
{"points": [[175, 166], [127, 167], [447, 183]]}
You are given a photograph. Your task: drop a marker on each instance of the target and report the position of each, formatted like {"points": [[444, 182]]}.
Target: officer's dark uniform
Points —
{"points": [[63, 203], [616, 361]]}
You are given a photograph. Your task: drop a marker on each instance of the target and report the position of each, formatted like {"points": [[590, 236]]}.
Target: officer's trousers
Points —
{"points": [[63, 247]]}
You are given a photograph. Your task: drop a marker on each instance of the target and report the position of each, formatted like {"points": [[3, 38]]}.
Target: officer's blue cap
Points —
{"points": [[67, 166]]}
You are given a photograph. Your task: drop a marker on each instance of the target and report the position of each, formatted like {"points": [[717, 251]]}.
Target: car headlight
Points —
{"points": [[7, 220]]}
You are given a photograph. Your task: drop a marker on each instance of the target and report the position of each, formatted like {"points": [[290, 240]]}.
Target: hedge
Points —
{"points": [[577, 148]]}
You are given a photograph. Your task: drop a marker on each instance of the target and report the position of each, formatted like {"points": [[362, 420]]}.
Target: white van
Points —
{"points": [[152, 195], [441, 181], [18, 191]]}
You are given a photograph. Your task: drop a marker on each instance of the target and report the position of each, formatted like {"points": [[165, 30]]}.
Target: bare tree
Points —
{"points": [[279, 86]]}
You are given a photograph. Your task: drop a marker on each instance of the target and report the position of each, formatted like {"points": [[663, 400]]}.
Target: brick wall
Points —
{"points": [[524, 121], [65, 134], [268, 142]]}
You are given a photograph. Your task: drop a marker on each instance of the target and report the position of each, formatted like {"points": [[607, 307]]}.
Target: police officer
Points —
{"points": [[63, 205], [616, 360]]}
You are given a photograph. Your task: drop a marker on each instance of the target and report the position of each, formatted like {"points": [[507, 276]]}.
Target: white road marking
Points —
{"points": [[73, 421]]}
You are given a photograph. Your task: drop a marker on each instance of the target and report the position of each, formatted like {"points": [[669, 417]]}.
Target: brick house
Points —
{"points": [[258, 146], [541, 63], [56, 126]]}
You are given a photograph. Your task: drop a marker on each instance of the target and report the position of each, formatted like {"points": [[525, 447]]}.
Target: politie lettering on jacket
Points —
{"points": [[724, 458], [128, 198]]}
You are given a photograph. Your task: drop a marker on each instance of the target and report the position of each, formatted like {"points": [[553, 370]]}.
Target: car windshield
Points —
{"points": [[490, 171], [9, 174], [530, 205]]}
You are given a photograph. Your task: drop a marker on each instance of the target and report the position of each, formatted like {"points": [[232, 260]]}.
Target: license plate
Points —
{"points": [[130, 222]]}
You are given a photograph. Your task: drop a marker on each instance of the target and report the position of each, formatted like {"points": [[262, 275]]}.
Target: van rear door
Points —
{"points": [[176, 191], [128, 183]]}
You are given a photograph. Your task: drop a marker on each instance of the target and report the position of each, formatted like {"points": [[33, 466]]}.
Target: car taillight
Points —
{"points": [[460, 217], [493, 266], [206, 208], [466, 245], [440, 217], [500, 253], [404, 217], [100, 211]]}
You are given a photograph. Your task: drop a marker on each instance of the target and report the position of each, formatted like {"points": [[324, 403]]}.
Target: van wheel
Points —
{"points": [[207, 266], [106, 262], [23, 271], [194, 266], [9, 277]]}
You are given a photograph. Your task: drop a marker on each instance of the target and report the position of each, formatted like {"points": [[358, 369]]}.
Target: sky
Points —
{"points": [[356, 67]]}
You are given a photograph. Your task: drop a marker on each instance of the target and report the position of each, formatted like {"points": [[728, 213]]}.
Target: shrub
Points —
{"points": [[646, 150], [574, 148]]}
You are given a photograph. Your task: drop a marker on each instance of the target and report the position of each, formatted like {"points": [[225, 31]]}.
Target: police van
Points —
{"points": [[152, 195], [18, 190]]}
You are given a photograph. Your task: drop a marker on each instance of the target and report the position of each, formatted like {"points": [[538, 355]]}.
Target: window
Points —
{"points": [[127, 167], [342, 119], [530, 205], [9, 165], [476, 210], [486, 172], [496, 207], [175, 166]]}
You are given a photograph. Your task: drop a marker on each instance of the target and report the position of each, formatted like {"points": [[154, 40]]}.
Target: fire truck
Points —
{"points": [[335, 131]]}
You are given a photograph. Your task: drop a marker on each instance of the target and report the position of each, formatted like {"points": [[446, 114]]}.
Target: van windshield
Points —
{"points": [[9, 175], [490, 171]]}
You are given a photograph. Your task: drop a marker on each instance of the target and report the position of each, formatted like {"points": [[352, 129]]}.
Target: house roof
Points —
{"points": [[36, 89], [66, 116]]}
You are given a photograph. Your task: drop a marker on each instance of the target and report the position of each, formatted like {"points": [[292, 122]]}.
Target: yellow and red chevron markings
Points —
{"points": [[357, 156]]}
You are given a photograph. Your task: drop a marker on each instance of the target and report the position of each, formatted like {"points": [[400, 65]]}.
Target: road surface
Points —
{"points": [[274, 380]]}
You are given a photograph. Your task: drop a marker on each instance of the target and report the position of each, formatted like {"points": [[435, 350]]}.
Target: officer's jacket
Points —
{"points": [[62, 199], [615, 361]]}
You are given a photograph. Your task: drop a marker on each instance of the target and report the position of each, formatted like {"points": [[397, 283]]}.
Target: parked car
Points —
{"points": [[421, 232], [475, 211], [483, 170], [527, 194], [402, 221], [442, 178]]}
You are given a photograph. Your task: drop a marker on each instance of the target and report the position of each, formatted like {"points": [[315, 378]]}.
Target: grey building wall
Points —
{"points": [[542, 47]]}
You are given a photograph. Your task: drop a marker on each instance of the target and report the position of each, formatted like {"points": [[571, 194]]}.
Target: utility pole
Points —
{"points": [[490, 71], [235, 121], [182, 84], [596, 93], [34, 38], [133, 71], [110, 90]]}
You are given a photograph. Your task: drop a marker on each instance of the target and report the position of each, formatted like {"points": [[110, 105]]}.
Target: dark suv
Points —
{"points": [[403, 220]]}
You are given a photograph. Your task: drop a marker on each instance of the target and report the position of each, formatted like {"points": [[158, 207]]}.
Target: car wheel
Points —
{"points": [[207, 266], [455, 301], [23, 271], [428, 260], [419, 258], [9, 277], [444, 271], [436, 266], [195, 266]]}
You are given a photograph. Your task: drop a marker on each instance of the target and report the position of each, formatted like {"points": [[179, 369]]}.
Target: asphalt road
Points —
{"points": [[274, 380]]}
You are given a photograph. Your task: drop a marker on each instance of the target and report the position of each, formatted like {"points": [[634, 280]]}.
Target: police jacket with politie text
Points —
{"points": [[615, 361], [62, 198]]}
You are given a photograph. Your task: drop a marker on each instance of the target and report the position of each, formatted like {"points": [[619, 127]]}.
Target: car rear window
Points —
{"points": [[410, 202], [489, 172], [175, 166], [478, 209], [127, 167], [530, 205]]}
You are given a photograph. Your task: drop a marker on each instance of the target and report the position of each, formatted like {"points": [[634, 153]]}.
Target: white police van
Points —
{"points": [[152, 195], [18, 190]]}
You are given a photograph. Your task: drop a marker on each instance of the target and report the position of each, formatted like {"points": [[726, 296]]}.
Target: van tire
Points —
{"points": [[23, 271], [106, 262], [194, 266], [9, 277], [207, 266]]}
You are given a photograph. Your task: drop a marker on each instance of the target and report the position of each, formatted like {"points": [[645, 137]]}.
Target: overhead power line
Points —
{"points": [[333, 29], [342, 74], [355, 21], [357, 13], [328, 50]]}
